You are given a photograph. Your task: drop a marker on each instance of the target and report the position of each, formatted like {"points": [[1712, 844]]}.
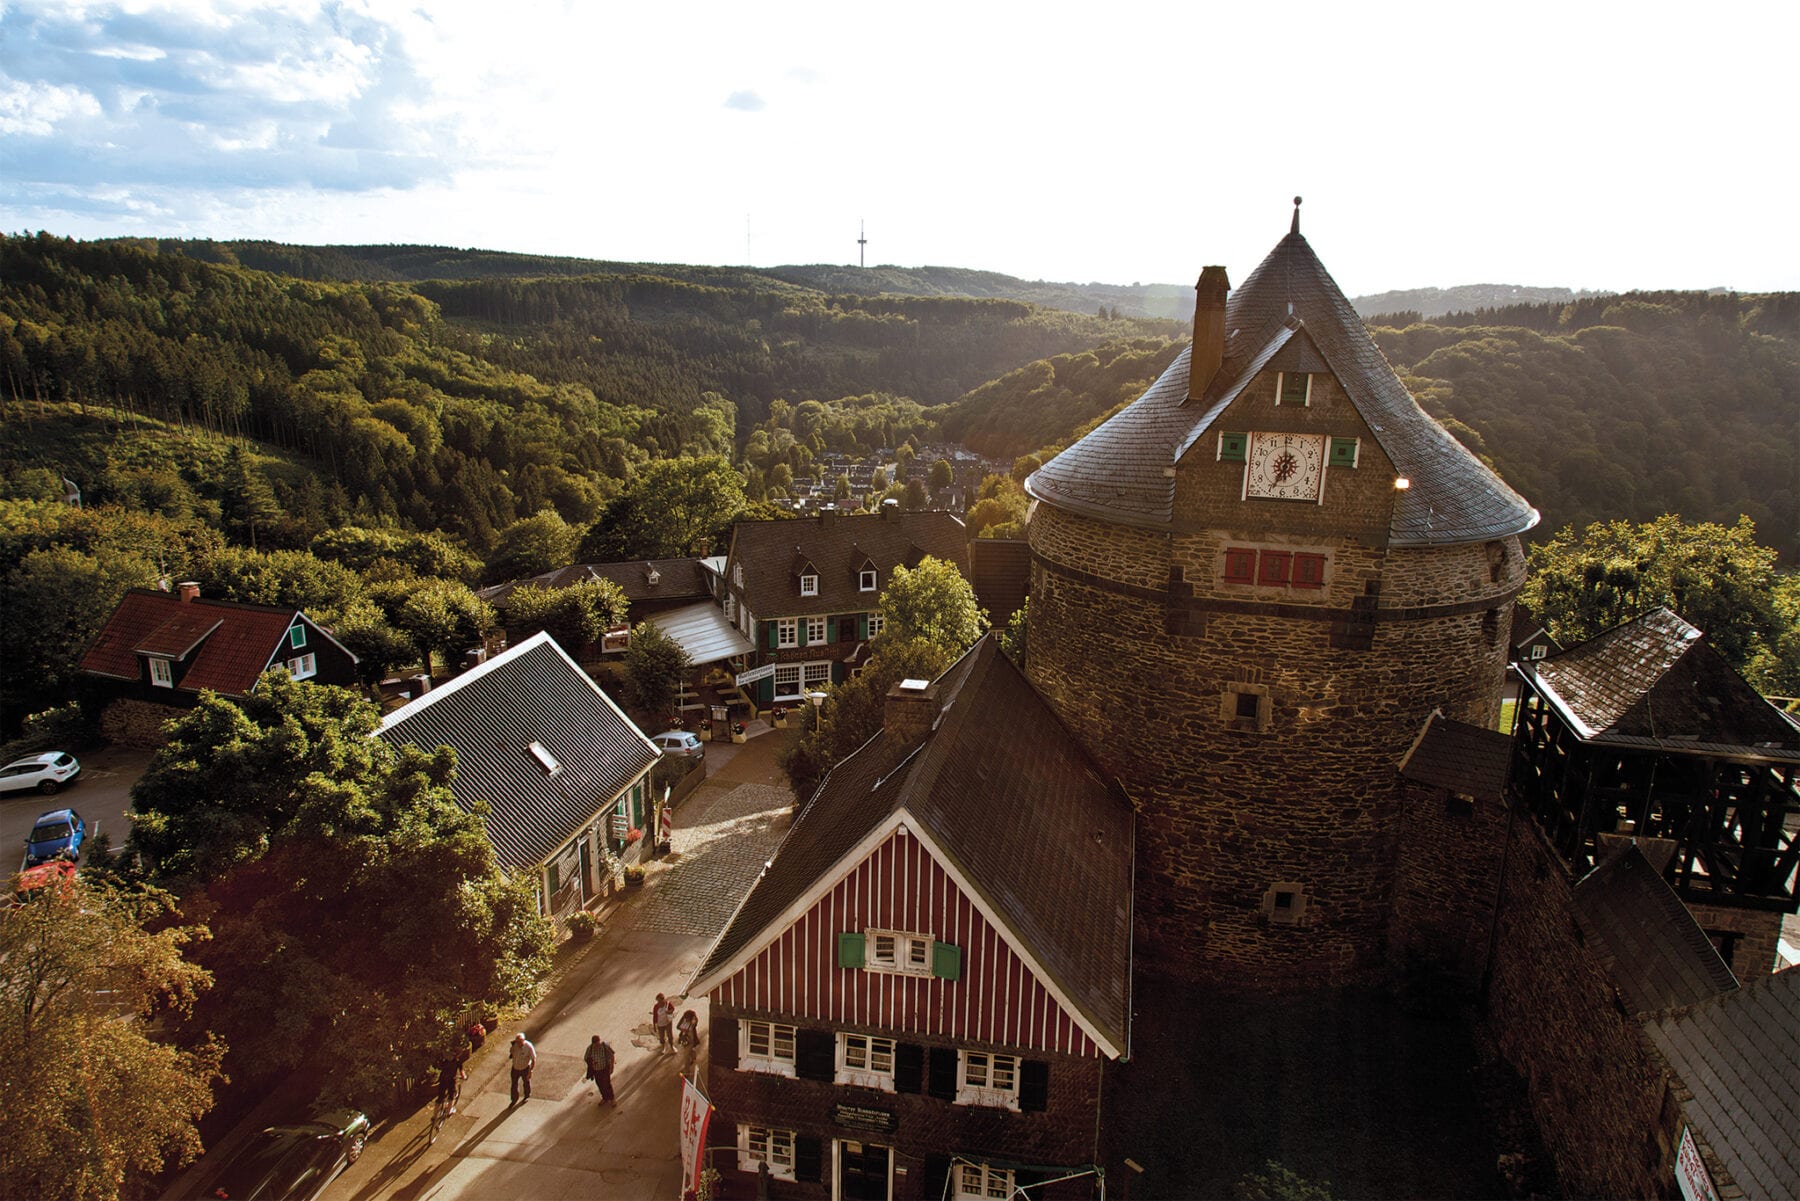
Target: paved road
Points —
{"points": [[101, 796], [562, 1143]]}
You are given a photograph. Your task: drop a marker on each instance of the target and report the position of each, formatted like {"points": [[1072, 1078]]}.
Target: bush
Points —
{"points": [[1278, 1182]]}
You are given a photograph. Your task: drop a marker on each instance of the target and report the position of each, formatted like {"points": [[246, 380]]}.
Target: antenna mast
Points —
{"points": [[861, 242]]}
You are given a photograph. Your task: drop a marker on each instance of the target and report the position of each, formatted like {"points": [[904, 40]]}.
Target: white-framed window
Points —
{"points": [[815, 677], [865, 1061], [765, 1047], [1537, 652], [876, 621], [1294, 388], [737, 574], [731, 607], [809, 585], [296, 636], [899, 951], [787, 632], [760, 1144], [161, 674], [305, 667], [978, 1182], [988, 1079], [865, 580], [787, 682], [815, 631]]}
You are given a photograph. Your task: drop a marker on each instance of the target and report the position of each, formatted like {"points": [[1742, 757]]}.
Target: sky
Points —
{"points": [[1579, 144]]}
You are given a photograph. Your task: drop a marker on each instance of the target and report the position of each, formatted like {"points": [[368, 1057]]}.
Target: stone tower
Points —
{"points": [[1250, 588]]}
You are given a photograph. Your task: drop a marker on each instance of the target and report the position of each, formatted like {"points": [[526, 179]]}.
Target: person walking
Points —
{"points": [[524, 1059], [662, 1015], [599, 1058], [687, 1037]]}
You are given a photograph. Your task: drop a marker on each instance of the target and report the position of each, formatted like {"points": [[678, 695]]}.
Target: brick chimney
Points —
{"points": [[910, 708], [188, 590], [1209, 330]]}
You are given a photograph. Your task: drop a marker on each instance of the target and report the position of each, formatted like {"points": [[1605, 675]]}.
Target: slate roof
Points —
{"points": [[1456, 755], [491, 714], [1119, 471], [1031, 826], [676, 579], [1000, 571], [1654, 681], [225, 644], [837, 545], [1526, 626], [1739, 1055], [1655, 952]]}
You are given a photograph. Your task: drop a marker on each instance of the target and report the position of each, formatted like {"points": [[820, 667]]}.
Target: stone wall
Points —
{"points": [[1146, 653], [137, 723], [1752, 935], [1600, 1096], [1444, 887], [926, 1127]]}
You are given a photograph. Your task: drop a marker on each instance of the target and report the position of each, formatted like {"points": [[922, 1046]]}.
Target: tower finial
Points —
{"points": [[1295, 228]]}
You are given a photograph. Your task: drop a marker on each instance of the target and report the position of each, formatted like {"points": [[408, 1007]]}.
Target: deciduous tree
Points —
{"points": [[654, 666], [934, 603]]}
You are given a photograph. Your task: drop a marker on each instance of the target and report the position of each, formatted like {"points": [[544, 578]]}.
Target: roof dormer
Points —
{"points": [[805, 573], [867, 575]]}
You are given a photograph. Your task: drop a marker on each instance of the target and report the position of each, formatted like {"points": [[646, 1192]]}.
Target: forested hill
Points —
{"points": [[1626, 406], [1427, 303]]}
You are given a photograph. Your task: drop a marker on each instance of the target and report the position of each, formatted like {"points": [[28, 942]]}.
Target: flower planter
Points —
{"points": [[740, 738]]}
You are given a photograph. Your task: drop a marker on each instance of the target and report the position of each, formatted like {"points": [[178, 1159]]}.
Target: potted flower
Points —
{"points": [[634, 876], [705, 730], [582, 925], [737, 731], [779, 715], [633, 835]]}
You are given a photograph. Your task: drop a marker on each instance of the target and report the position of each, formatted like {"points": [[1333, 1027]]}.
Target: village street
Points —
{"points": [[562, 1143]]}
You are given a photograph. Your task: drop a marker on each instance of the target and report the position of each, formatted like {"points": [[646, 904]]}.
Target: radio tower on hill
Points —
{"points": [[861, 242]]}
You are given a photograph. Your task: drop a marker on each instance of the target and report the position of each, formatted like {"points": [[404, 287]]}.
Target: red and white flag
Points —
{"points": [[696, 1115]]}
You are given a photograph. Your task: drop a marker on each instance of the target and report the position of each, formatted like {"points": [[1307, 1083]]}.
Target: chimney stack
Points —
{"points": [[1209, 330], [188, 590], [910, 708]]}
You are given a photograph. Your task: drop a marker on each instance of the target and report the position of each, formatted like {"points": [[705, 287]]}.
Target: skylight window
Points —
{"points": [[545, 759]]}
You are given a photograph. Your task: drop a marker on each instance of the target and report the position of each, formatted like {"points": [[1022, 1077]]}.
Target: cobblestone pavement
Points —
{"points": [[722, 838]]}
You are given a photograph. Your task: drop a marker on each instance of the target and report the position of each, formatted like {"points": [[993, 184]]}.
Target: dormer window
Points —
{"points": [[544, 758], [809, 585], [1293, 388], [161, 675], [653, 577]]}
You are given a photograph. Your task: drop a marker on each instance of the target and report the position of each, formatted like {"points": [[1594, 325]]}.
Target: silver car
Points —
{"points": [[681, 744]]}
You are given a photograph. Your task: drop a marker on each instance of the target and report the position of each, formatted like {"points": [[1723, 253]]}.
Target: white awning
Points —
{"points": [[702, 631]]}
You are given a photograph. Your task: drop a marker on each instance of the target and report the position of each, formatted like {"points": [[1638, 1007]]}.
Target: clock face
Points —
{"points": [[1285, 466]]}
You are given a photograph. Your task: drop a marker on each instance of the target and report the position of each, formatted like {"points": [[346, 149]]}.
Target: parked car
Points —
{"points": [[33, 880], [57, 834], [293, 1163], [46, 773], [680, 743]]}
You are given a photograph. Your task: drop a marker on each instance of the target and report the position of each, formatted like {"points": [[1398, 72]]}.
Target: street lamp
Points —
{"points": [[817, 699]]}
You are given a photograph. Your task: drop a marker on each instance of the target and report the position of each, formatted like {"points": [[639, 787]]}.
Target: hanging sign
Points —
{"points": [[696, 1116], [755, 674], [1690, 1170]]}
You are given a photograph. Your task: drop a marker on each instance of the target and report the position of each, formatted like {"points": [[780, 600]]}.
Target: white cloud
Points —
{"points": [[36, 109]]}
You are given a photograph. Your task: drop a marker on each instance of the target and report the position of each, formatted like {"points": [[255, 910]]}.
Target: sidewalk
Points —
{"points": [[563, 1143]]}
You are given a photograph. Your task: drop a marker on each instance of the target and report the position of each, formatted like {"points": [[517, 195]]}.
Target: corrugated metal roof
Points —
{"points": [[492, 714], [1119, 471], [702, 631]]}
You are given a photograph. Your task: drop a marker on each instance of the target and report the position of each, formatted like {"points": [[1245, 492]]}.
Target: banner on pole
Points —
{"points": [[696, 1116]]}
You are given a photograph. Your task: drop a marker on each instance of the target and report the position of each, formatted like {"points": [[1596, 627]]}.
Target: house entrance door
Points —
{"points": [[588, 888], [863, 1171]]}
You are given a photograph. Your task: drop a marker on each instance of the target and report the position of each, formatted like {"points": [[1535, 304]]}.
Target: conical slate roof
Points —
{"points": [[1121, 470]]}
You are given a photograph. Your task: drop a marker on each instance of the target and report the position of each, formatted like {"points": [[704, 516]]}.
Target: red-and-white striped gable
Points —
{"points": [[901, 886]]}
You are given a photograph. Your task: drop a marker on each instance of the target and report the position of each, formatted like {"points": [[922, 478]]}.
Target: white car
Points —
{"points": [[45, 773], [680, 743]]}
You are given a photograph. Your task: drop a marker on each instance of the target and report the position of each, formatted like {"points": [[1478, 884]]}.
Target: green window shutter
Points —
{"points": [[850, 948], [946, 961], [1343, 452], [774, 634], [862, 627], [1232, 447], [831, 629]]}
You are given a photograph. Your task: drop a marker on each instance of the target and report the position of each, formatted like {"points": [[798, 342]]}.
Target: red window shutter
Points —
{"points": [[1275, 565], [1309, 571], [1240, 566]]}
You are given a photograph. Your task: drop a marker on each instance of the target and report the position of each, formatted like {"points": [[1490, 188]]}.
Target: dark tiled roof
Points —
{"points": [[1000, 570], [1526, 627], [493, 713], [1458, 756], [676, 579], [1119, 471], [837, 545], [1655, 680], [235, 642], [1002, 787], [1739, 1054], [1656, 953]]}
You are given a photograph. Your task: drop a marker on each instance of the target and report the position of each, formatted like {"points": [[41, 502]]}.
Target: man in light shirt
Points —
{"points": [[524, 1058]]}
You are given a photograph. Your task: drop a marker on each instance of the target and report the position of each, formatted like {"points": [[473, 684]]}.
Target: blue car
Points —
{"points": [[58, 834]]}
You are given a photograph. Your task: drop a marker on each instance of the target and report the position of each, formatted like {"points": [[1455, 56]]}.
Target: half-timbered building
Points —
{"points": [[917, 996], [1647, 734]]}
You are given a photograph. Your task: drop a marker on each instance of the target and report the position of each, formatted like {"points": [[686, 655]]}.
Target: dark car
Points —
{"points": [[57, 834], [293, 1163]]}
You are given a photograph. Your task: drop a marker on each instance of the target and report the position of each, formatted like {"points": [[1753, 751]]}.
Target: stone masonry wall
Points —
{"points": [[1144, 652], [137, 723], [926, 1126], [1755, 954], [1445, 882], [1601, 1098]]}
